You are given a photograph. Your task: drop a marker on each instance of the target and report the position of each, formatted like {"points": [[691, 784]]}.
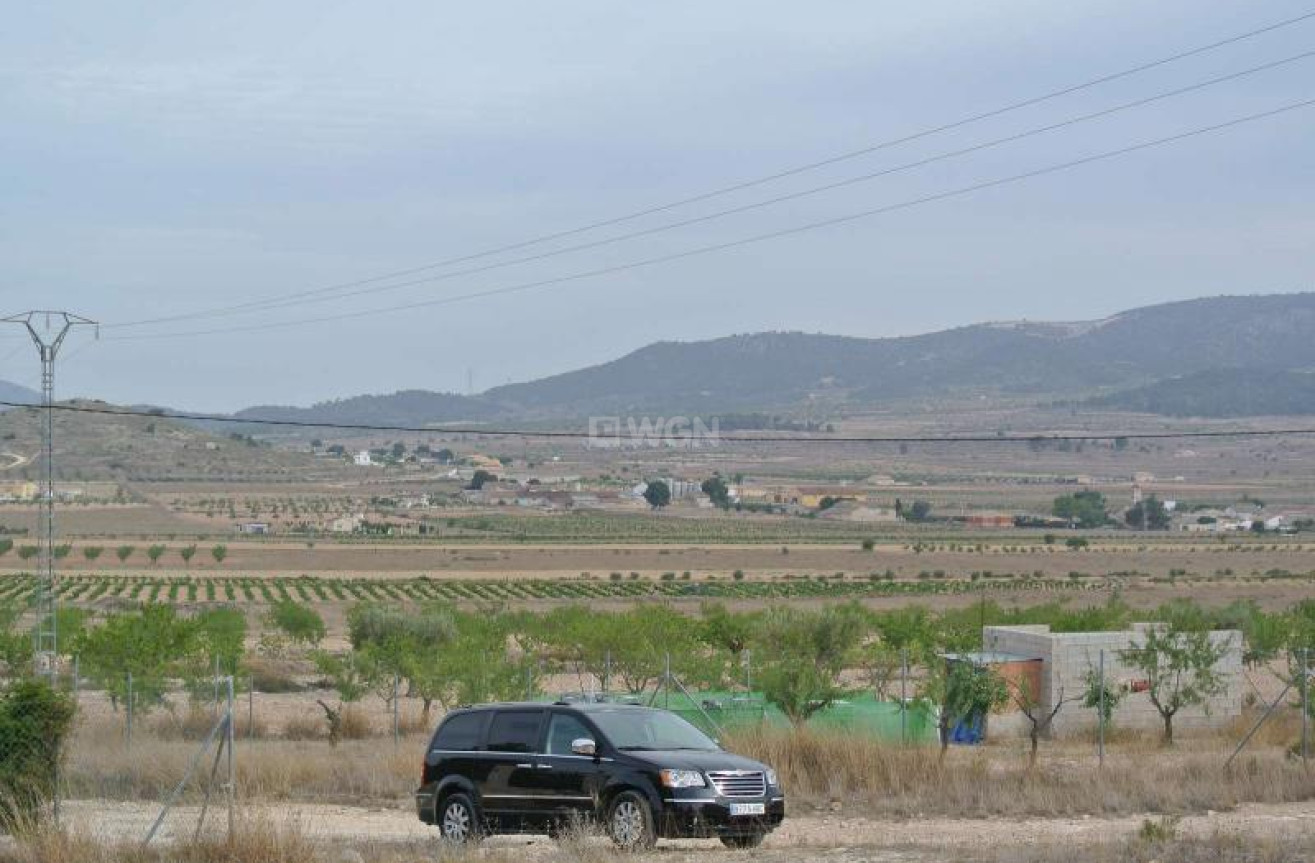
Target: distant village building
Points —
{"points": [[255, 528], [346, 524], [15, 491], [363, 459]]}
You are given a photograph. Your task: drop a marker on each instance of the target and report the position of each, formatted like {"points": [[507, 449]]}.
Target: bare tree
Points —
{"points": [[1040, 718]]}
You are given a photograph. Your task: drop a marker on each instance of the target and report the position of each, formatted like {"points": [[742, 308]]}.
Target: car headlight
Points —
{"points": [[683, 779], [771, 778]]}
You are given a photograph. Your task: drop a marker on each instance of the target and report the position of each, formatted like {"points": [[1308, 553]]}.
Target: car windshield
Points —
{"points": [[638, 730]]}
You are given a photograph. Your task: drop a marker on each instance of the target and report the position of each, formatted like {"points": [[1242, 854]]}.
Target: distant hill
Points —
{"points": [[15, 393], [1221, 393], [127, 448], [408, 407], [788, 372]]}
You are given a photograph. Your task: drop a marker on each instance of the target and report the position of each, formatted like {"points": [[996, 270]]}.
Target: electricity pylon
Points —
{"points": [[48, 339]]}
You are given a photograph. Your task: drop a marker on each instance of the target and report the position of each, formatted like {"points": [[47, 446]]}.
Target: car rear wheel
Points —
{"points": [[457, 820], [746, 840], [630, 822]]}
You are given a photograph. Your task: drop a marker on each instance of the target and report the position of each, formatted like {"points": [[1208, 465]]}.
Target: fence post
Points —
{"points": [[666, 686], [232, 779], [607, 671], [251, 707], [215, 680], [904, 696], [529, 681], [129, 709], [397, 736], [76, 684], [748, 672], [1305, 706], [1100, 714]]}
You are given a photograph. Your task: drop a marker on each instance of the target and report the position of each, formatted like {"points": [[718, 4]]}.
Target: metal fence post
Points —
{"points": [[666, 686], [397, 735], [76, 681], [748, 671], [1100, 714], [129, 708], [607, 671], [232, 779], [251, 707], [904, 696], [1305, 707]]}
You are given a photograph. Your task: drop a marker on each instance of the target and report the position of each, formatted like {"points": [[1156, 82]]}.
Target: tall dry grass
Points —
{"points": [[881, 779], [862, 774]]}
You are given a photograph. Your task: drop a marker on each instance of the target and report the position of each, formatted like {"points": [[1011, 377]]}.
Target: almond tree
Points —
{"points": [[1181, 670]]}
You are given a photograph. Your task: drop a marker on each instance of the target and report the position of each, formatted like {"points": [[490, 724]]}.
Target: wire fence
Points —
{"points": [[172, 748]]}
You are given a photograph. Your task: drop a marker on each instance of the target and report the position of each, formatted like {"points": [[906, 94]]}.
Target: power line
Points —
{"points": [[803, 193], [578, 435], [744, 241], [735, 187]]}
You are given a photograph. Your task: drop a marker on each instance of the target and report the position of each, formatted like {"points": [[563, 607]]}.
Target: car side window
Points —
{"points": [[461, 733], [562, 730], [515, 731]]}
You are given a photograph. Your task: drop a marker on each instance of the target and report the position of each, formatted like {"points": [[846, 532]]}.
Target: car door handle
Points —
{"points": [[544, 766], [524, 766]]}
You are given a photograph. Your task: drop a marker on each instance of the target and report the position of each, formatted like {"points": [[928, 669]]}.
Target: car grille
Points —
{"points": [[738, 783]]}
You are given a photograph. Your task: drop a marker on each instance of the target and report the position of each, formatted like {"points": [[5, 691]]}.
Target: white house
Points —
{"points": [[362, 459]]}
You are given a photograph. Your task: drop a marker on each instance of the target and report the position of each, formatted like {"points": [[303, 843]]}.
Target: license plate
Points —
{"points": [[741, 809]]}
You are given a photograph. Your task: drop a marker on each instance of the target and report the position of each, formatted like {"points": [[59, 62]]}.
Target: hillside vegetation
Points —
{"points": [[781, 372]]}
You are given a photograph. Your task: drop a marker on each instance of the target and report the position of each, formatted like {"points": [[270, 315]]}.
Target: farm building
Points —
{"points": [[1066, 659]]}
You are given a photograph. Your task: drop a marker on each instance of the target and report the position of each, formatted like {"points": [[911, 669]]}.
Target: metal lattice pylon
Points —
{"points": [[48, 339]]}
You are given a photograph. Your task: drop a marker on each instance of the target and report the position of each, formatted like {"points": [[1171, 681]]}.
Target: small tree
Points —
{"points": [[347, 680], [1101, 696], [154, 553], [1180, 670], [91, 552], [919, 511], [299, 623], [478, 480], [962, 691], [219, 552], [1040, 718], [802, 655], [34, 724], [124, 552], [27, 552], [658, 494], [187, 553], [717, 491], [1148, 514]]}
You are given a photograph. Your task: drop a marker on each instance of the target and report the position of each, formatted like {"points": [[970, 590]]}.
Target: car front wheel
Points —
{"points": [[747, 840], [630, 822], [457, 820]]}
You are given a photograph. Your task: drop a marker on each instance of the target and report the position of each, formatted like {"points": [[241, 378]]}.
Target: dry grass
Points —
{"points": [[866, 776], [880, 779]]}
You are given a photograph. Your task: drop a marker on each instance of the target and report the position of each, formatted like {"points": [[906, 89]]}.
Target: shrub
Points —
{"points": [[34, 723], [124, 552]]}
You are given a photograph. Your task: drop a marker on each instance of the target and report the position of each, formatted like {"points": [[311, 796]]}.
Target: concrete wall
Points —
{"points": [[1067, 657]]}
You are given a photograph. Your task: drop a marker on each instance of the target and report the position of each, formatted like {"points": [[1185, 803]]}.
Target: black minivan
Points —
{"points": [[639, 772]]}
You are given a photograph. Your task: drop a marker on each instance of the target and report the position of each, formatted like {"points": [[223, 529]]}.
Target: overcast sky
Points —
{"points": [[163, 159]]}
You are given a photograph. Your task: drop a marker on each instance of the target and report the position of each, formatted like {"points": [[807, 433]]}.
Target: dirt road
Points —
{"points": [[840, 837]]}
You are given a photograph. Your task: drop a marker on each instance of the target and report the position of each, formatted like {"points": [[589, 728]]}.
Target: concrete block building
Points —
{"points": [[1067, 657]]}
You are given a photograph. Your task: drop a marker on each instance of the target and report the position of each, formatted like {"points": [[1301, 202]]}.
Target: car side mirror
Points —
{"points": [[584, 746]]}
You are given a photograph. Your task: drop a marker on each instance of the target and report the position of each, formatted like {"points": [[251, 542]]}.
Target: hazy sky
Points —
{"points": [[161, 159]]}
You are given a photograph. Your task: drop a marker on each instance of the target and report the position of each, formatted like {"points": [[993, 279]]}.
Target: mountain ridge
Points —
{"points": [[795, 371]]}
